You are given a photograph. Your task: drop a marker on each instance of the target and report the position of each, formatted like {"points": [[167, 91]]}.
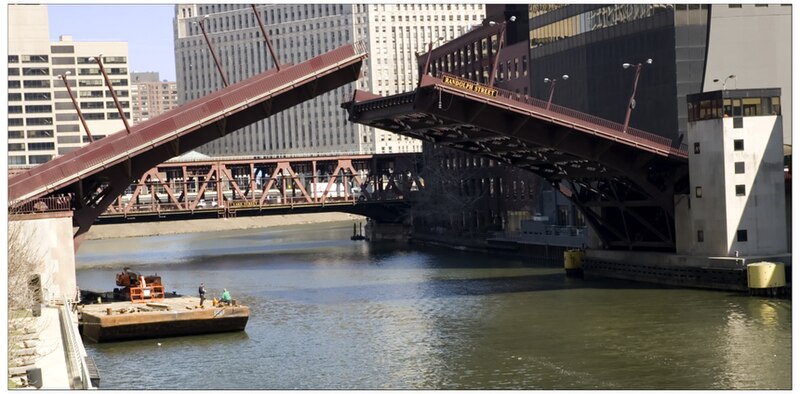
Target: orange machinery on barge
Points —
{"points": [[147, 313]]}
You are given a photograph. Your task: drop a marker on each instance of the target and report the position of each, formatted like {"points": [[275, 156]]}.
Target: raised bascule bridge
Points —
{"points": [[624, 181], [97, 174]]}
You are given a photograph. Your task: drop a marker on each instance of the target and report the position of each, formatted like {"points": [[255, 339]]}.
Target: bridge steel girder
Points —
{"points": [[648, 176], [122, 157], [179, 175]]}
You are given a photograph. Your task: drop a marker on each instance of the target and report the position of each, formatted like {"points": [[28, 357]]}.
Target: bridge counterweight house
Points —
{"points": [[623, 182], [98, 173]]}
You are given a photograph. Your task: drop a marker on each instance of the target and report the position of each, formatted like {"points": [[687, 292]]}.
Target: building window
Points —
{"points": [[699, 235], [698, 191], [41, 146], [696, 147], [741, 235], [39, 159], [738, 144], [16, 160], [740, 190], [17, 147], [738, 167]]}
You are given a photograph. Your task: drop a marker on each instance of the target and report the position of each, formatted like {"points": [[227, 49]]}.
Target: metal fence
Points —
{"points": [[41, 205], [77, 368]]}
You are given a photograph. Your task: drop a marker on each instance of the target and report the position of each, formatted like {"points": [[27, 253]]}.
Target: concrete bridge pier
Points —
{"points": [[45, 241]]}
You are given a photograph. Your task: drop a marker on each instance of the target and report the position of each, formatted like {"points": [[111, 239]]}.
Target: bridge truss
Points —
{"points": [[362, 184], [624, 182]]}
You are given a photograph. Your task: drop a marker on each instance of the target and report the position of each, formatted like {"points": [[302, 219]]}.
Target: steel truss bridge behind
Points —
{"points": [[377, 186], [623, 181], [99, 172]]}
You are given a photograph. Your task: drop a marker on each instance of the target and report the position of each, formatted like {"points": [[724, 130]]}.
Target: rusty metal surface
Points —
{"points": [[182, 121]]}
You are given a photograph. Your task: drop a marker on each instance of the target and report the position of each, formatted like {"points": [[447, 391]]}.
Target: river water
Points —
{"points": [[330, 313]]}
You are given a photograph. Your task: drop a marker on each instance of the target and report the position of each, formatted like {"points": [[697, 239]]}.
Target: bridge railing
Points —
{"points": [[41, 205], [591, 121]]}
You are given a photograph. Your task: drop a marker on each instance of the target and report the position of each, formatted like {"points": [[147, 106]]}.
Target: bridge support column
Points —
{"points": [[45, 242], [387, 231]]}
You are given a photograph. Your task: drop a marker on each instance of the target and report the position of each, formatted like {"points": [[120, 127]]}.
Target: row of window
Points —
{"points": [[31, 159], [14, 122], [81, 59], [591, 20], [28, 58], [741, 236], [63, 94], [42, 71], [18, 134], [736, 107], [739, 190], [31, 109], [32, 146]]}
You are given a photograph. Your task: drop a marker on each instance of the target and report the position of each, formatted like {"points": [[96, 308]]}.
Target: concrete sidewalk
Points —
{"points": [[53, 360]]}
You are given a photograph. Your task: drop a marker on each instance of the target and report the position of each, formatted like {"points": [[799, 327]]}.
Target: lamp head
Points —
{"points": [[626, 65], [492, 23], [512, 19], [565, 77], [68, 73], [649, 61], [547, 80], [716, 80], [731, 76]]}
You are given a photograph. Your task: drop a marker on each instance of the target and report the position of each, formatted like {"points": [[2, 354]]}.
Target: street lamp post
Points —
{"points": [[266, 38], [552, 82], [99, 60], [428, 60], [211, 48], [75, 104], [726, 80], [499, 47], [632, 101]]}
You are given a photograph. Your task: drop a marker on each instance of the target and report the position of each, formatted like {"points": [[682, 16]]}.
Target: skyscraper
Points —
{"points": [[151, 97], [42, 121], [394, 34]]}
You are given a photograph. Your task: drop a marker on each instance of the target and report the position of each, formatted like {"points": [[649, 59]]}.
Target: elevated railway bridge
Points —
{"points": [[377, 186], [624, 181]]}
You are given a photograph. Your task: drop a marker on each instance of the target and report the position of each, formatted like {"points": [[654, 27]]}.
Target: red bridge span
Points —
{"points": [[623, 180], [101, 171]]}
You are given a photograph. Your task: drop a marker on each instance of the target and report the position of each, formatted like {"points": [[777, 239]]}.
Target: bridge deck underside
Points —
{"points": [[97, 173], [624, 189]]}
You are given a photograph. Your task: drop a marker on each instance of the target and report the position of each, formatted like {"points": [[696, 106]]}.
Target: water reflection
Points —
{"points": [[329, 313]]}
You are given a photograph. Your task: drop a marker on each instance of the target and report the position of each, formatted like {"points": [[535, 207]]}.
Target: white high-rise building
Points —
{"points": [[42, 121], [394, 33]]}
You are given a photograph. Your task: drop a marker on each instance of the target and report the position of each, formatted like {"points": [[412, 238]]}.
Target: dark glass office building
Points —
{"points": [[591, 42]]}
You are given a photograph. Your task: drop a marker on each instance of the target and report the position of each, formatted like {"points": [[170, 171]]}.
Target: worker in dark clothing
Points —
{"points": [[202, 291]]}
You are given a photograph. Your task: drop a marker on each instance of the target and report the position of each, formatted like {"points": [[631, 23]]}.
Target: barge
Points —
{"points": [[169, 317]]}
